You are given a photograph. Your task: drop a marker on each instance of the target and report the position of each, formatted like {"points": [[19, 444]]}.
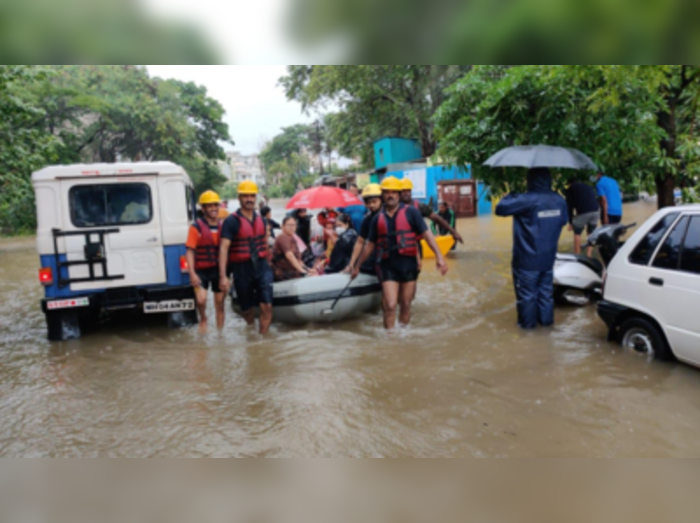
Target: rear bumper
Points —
{"points": [[116, 299], [610, 313]]}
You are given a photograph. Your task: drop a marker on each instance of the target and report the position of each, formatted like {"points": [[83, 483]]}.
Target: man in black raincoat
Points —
{"points": [[538, 218]]}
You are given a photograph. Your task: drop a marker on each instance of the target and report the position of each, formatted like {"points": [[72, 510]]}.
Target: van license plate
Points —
{"points": [[67, 304], [155, 307]]}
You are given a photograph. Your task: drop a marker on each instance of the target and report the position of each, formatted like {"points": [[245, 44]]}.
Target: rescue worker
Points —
{"points": [[539, 216], [426, 210], [203, 258], [244, 255], [372, 195], [394, 234]]}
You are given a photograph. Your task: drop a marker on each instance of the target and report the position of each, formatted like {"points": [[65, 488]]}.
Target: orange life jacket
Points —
{"points": [[251, 243], [403, 239], [206, 256]]}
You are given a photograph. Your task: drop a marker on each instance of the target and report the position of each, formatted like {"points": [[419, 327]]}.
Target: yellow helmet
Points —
{"points": [[373, 190], [407, 184], [247, 187], [391, 183], [208, 198]]}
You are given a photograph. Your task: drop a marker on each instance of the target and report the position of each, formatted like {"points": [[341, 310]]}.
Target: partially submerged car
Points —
{"points": [[112, 237], [651, 300]]}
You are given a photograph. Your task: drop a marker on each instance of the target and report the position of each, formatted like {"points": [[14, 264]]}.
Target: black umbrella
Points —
{"points": [[533, 156]]}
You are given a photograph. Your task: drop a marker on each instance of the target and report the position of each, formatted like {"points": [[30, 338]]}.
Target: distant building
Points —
{"points": [[240, 167], [402, 158]]}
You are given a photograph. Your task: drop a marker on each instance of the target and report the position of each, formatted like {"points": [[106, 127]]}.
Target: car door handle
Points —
{"points": [[657, 282]]}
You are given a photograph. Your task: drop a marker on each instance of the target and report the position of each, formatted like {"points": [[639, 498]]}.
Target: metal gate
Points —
{"points": [[460, 195]]}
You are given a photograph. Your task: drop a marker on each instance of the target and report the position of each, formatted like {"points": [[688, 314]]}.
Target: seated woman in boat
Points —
{"points": [[287, 262], [342, 251]]}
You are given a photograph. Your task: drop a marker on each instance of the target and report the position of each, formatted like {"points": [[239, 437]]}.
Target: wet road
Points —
{"points": [[462, 381]]}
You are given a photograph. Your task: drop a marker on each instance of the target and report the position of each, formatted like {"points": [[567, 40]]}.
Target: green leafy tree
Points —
{"points": [[289, 175], [500, 32], [614, 115], [24, 146], [673, 91], [109, 113], [292, 140], [374, 100], [96, 31]]}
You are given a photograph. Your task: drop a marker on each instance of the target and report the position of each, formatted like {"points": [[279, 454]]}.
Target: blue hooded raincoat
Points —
{"points": [[538, 218]]}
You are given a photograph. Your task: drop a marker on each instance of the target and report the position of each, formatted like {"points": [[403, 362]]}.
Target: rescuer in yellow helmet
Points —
{"points": [[203, 258], [244, 255], [395, 235], [372, 195]]}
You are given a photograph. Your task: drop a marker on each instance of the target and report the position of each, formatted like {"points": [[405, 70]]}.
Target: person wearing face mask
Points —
{"points": [[344, 245]]}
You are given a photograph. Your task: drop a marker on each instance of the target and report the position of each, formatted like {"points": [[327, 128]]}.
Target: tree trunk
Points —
{"points": [[666, 182], [427, 142], [665, 187]]}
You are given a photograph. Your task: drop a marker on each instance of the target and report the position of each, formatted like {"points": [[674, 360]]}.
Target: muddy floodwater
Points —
{"points": [[462, 381]]}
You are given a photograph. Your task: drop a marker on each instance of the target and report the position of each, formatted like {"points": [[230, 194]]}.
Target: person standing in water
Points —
{"points": [[425, 210], [539, 215], [394, 234], [203, 258], [244, 255], [372, 195]]}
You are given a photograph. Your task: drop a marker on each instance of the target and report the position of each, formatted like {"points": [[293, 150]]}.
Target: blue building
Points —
{"points": [[401, 158], [391, 150]]}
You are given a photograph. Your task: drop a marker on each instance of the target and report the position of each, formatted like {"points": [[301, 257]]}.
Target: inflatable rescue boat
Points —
{"points": [[309, 300]]}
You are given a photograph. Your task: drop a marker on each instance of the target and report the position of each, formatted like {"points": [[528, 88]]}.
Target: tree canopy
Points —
{"points": [[618, 115], [24, 145], [90, 114], [499, 32], [374, 101], [96, 31]]}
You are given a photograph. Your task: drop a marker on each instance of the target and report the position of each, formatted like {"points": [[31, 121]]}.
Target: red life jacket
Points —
{"points": [[251, 242], [403, 239], [206, 256]]}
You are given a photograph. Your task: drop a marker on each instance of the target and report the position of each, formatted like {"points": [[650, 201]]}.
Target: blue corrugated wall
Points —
{"points": [[441, 173]]}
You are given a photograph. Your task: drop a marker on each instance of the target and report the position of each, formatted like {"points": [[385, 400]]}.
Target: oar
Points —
{"points": [[328, 312]]}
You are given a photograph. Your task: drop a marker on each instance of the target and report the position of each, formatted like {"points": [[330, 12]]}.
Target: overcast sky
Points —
{"points": [[256, 108]]}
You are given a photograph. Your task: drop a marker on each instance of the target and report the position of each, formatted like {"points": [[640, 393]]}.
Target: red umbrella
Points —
{"points": [[322, 197]]}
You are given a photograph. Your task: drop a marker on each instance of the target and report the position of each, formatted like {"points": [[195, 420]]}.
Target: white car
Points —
{"points": [[651, 300]]}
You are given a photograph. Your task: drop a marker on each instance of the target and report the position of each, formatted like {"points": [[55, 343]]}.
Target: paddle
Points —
{"points": [[328, 312]]}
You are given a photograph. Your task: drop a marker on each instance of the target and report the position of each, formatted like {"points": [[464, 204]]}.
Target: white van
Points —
{"points": [[651, 298], [112, 237]]}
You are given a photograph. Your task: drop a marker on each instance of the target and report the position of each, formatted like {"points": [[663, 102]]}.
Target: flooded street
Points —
{"points": [[463, 381]]}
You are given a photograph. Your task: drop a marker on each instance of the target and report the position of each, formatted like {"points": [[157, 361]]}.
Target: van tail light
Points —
{"points": [[46, 276], [184, 266]]}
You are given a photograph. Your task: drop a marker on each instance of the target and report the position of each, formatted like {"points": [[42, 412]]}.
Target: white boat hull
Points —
{"points": [[308, 300]]}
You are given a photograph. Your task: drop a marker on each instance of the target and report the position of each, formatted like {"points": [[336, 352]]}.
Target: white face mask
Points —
{"points": [[339, 230]]}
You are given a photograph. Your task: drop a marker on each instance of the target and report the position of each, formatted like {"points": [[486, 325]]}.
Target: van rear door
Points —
{"points": [[127, 209]]}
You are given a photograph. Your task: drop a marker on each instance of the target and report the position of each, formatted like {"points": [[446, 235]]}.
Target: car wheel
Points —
{"points": [[644, 337]]}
